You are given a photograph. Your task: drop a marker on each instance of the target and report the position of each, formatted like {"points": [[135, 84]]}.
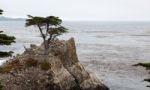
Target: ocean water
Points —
{"points": [[109, 49]]}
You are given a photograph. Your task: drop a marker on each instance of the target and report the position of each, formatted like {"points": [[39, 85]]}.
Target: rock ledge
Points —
{"points": [[59, 70]]}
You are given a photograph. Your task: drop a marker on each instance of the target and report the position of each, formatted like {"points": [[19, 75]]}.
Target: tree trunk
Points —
{"points": [[44, 39]]}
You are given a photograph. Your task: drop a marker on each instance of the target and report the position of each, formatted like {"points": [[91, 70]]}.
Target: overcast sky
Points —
{"points": [[80, 9]]}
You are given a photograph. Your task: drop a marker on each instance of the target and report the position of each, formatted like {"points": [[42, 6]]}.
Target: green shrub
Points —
{"points": [[45, 65], [31, 62]]}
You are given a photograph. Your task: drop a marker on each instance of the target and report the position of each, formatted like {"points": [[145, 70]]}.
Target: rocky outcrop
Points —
{"points": [[59, 70]]}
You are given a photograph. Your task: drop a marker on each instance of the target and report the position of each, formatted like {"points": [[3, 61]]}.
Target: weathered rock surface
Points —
{"points": [[59, 70]]}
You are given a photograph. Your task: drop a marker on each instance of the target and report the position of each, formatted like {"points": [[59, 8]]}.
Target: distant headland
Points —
{"points": [[3, 18]]}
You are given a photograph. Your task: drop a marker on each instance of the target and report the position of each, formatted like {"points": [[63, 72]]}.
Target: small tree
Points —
{"points": [[49, 27], [5, 40]]}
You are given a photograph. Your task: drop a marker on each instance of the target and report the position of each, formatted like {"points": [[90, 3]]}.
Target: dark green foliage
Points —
{"points": [[1, 11], [56, 32], [34, 21], [5, 40], [5, 54], [50, 27], [51, 20], [31, 62], [45, 65]]}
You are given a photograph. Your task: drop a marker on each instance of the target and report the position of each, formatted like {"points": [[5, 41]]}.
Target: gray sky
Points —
{"points": [[80, 9]]}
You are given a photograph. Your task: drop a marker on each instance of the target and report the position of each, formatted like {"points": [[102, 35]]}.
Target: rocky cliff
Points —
{"points": [[59, 70]]}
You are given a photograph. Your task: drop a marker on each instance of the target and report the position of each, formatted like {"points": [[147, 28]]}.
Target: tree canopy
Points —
{"points": [[5, 40], [1, 11], [49, 27]]}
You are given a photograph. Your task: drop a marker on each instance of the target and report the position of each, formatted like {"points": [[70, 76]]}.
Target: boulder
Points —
{"points": [[60, 69]]}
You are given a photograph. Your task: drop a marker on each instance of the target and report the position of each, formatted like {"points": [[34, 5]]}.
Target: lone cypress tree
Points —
{"points": [[49, 27], [5, 40]]}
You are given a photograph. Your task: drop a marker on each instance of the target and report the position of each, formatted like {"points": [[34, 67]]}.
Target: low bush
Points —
{"points": [[45, 65], [31, 62]]}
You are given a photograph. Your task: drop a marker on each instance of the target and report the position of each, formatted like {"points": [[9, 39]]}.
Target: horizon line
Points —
{"points": [[83, 20]]}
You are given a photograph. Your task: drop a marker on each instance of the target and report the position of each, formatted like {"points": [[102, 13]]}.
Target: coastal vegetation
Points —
{"points": [[50, 27], [5, 40]]}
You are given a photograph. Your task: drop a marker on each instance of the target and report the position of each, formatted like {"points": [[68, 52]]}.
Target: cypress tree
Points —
{"points": [[5, 40], [50, 27]]}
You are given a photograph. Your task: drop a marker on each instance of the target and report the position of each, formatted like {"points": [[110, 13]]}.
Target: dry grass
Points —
{"points": [[15, 65], [11, 66]]}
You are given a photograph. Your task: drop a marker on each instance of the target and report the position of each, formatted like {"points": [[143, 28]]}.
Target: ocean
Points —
{"points": [[108, 49]]}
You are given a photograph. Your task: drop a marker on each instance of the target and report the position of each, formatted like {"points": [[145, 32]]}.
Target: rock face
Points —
{"points": [[59, 70]]}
